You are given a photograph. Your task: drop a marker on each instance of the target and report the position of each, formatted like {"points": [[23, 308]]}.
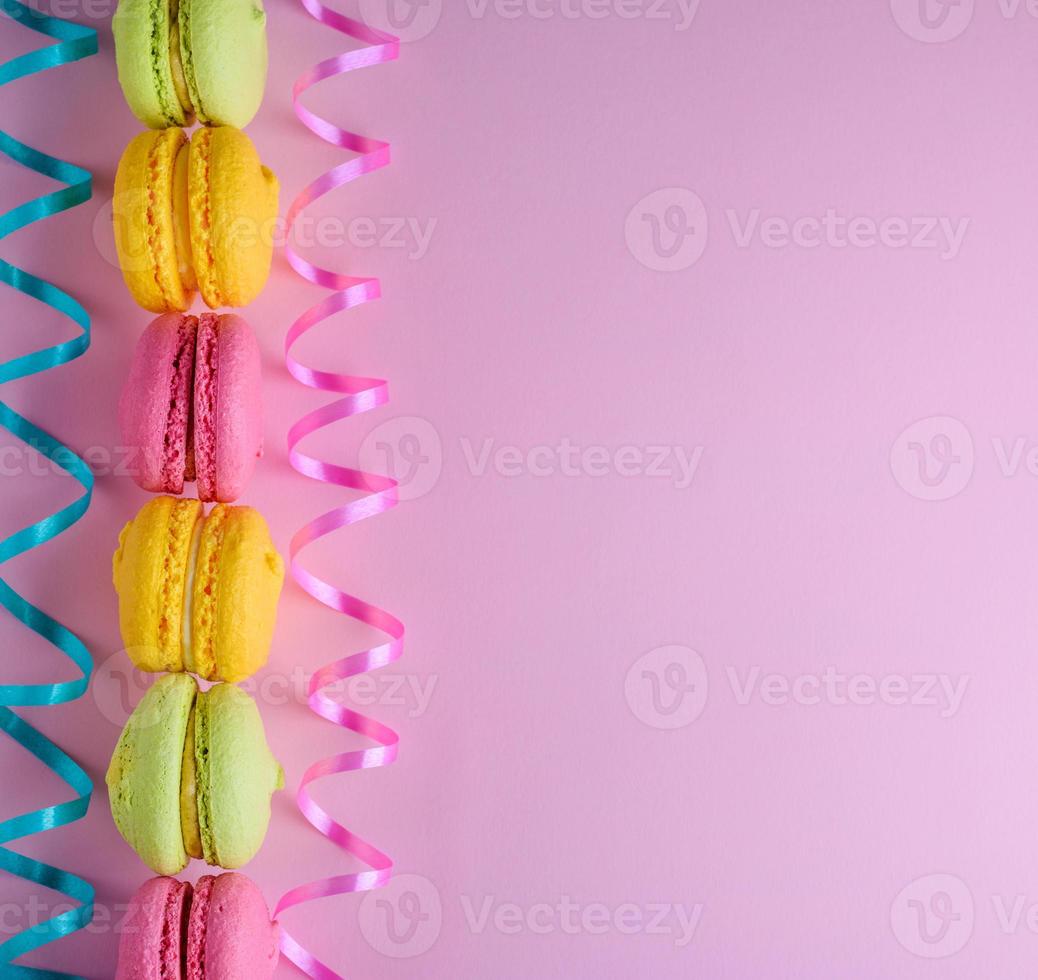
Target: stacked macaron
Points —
{"points": [[194, 213]]}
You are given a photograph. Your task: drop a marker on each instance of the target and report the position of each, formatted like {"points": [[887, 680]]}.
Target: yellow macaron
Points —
{"points": [[197, 592], [191, 215]]}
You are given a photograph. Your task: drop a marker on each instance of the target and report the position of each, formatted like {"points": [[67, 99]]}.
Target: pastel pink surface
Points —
{"points": [[150, 946], [230, 935], [527, 324], [228, 407]]}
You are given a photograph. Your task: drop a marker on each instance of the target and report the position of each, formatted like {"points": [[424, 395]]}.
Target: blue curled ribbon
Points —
{"points": [[74, 42]]}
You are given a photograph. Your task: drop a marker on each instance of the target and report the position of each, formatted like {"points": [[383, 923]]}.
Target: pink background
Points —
{"points": [[538, 769]]}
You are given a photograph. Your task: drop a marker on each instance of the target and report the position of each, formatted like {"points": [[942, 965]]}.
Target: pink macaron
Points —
{"points": [[191, 409], [218, 930]]}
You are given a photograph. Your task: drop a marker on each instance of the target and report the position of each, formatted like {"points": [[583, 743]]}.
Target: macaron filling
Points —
{"points": [[180, 528], [204, 427], [176, 441], [189, 595], [182, 219], [189, 825], [198, 928], [175, 920], [163, 156], [163, 16], [202, 218], [176, 61], [206, 593], [194, 784], [202, 779], [187, 64]]}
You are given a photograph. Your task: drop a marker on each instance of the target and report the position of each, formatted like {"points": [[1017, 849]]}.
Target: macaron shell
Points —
{"points": [[149, 571], [144, 775], [230, 934], [223, 46], [142, 215], [233, 201], [151, 939], [238, 579], [142, 39], [237, 775], [238, 403], [145, 403]]}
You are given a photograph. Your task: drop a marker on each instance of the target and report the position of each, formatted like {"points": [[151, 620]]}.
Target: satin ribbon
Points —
{"points": [[359, 395], [74, 42]]}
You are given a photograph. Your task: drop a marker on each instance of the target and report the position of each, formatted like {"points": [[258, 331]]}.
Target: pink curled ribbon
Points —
{"points": [[358, 395]]}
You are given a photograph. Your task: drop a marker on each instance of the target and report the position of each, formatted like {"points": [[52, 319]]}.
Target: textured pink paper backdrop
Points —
{"points": [[828, 770]]}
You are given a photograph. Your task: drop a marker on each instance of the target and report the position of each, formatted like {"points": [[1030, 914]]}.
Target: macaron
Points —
{"points": [[192, 776], [191, 409], [193, 216], [178, 62], [218, 930], [197, 593]]}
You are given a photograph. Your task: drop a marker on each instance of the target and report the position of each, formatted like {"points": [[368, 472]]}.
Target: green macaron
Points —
{"points": [[192, 776], [184, 59]]}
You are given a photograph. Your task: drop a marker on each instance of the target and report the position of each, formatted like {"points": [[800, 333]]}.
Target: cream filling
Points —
{"points": [[189, 827], [176, 63], [189, 596], [182, 218]]}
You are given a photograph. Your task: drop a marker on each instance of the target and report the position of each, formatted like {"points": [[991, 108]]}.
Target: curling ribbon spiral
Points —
{"points": [[73, 43], [359, 395]]}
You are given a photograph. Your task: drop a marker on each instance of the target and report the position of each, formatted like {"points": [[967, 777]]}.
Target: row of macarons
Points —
{"points": [[192, 774]]}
